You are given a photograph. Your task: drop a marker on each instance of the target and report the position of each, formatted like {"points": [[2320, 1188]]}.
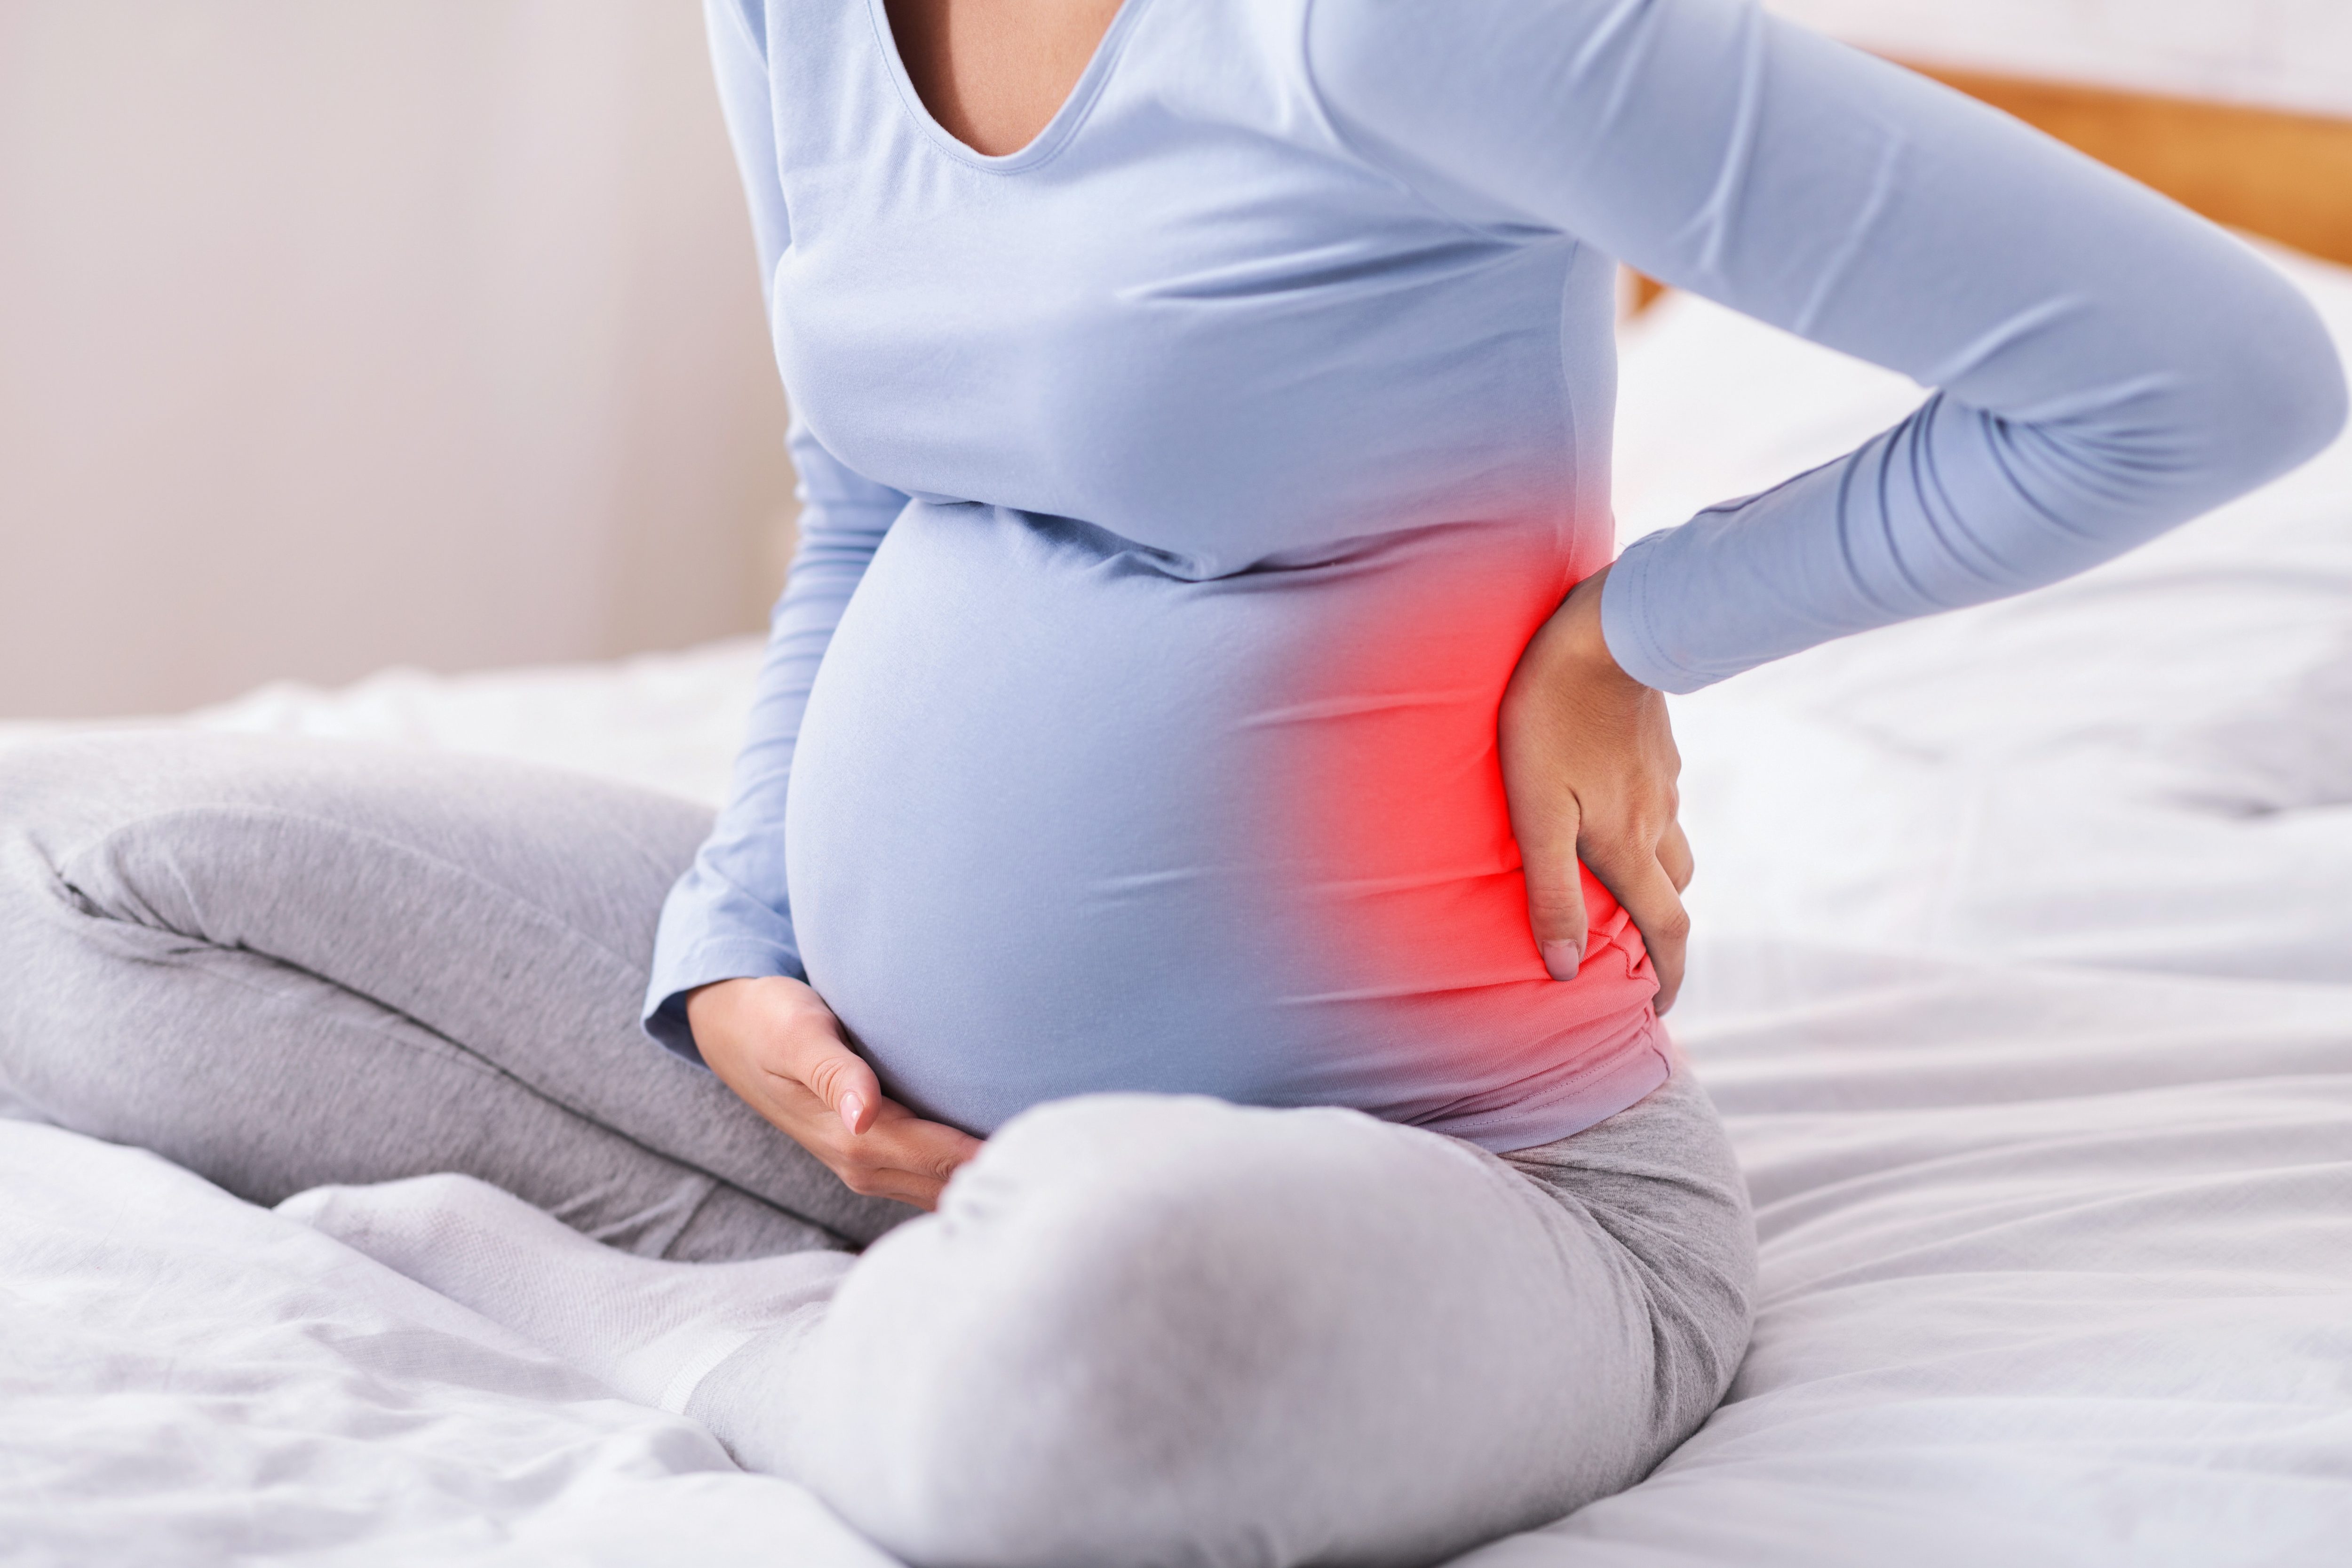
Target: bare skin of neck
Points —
{"points": [[994, 72]]}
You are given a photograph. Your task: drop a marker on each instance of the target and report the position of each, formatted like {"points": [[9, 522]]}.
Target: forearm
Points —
{"points": [[729, 917], [2108, 364]]}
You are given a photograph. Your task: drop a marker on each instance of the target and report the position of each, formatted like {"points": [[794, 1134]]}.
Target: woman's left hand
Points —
{"points": [[1588, 766]]}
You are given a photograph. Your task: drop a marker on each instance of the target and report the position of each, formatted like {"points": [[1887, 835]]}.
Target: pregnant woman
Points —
{"points": [[1207, 823]]}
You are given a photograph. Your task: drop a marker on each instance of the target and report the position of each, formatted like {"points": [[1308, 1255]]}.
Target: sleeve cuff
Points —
{"points": [[1625, 623], [745, 959]]}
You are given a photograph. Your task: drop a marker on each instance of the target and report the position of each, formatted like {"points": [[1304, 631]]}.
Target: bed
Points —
{"points": [[2026, 987]]}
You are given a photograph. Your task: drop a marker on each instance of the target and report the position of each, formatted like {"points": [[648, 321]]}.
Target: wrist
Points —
{"points": [[710, 1008], [703, 1003], [1572, 645]]}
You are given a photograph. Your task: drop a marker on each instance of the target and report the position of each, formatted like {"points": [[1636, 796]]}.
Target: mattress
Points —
{"points": [[2025, 985]]}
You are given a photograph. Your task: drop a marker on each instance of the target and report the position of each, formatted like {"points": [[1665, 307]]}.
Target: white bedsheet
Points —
{"points": [[2057, 1269], [2028, 995]]}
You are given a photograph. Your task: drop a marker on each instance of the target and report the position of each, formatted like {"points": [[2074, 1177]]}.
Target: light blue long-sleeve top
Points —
{"points": [[1180, 490]]}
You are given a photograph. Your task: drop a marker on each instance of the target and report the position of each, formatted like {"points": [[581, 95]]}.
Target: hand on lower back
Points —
{"points": [[777, 1044], [1588, 766]]}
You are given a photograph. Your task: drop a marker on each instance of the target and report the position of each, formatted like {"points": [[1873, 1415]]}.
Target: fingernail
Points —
{"points": [[850, 1106], [1561, 959]]}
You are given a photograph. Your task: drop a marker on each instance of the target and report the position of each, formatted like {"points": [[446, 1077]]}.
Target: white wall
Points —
{"points": [[334, 336], [2289, 54]]}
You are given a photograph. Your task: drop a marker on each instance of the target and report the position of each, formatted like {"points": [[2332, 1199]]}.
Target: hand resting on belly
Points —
{"points": [[776, 1043]]}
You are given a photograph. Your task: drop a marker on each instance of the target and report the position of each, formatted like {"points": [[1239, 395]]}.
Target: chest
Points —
{"points": [[1183, 309], [993, 72]]}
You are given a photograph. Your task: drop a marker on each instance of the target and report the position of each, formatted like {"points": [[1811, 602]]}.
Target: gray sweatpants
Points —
{"points": [[287, 964]]}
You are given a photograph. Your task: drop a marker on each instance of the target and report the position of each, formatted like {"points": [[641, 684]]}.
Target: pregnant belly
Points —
{"points": [[1063, 819]]}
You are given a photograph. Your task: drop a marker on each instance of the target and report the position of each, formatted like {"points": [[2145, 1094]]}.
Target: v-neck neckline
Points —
{"points": [[1048, 140]]}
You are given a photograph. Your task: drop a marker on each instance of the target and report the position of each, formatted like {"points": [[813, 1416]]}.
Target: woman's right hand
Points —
{"points": [[776, 1043]]}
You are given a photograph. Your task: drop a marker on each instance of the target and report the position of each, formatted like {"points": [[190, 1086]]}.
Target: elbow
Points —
{"points": [[2331, 402], [2223, 402], [2274, 393], [2311, 401]]}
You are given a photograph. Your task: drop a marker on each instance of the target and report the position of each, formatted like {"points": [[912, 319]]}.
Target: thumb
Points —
{"points": [[829, 1069], [1556, 891]]}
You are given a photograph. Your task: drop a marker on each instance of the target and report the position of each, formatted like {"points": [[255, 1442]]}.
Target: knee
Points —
{"points": [[61, 796], [40, 782], [1139, 1327], [42, 921], [54, 798], [69, 854], [89, 912]]}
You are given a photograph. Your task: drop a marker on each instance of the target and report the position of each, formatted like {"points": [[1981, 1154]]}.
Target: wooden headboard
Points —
{"points": [[2287, 177]]}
